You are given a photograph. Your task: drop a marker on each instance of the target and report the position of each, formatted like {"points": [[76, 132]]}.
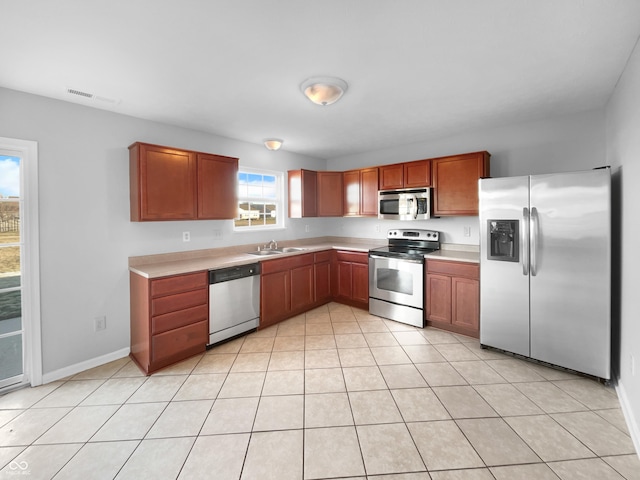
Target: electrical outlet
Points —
{"points": [[100, 323], [467, 231], [186, 236], [217, 232], [377, 228], [306, 228]]}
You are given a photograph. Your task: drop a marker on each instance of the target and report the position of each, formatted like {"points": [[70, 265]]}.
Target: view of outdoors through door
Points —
{"points": [[11, 243]]}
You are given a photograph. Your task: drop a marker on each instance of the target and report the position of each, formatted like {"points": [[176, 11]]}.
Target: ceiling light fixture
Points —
{"points": [[323, 90], [273, 143]]}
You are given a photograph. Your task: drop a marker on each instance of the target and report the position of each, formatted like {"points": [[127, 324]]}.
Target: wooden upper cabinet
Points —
{"points": [[391, 176], [361, 192], [303, 193], [162, 183], [172, 184], [405, 175], [330, 193], [455, 180], [417, 174], [369, 192], [352, 193], [217, 181]]}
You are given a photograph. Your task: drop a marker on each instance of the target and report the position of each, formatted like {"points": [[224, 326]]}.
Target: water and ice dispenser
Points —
{"points": [[503, 240]]}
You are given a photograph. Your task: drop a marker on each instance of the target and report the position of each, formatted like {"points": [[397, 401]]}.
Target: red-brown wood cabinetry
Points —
{"points": [[172, 184], [361, 192], [453, 296], [405, 175], [303, 201], [287, 288], [330, 194], [169, 318], [322, 273], [351, 278], [455, 181]]}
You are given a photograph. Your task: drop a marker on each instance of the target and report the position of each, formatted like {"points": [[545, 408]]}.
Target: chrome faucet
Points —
{"points": [[273, 245]]}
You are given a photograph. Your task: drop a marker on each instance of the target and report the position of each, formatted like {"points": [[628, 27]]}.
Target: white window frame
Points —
{"points": [[280, 200], [27, 150]]}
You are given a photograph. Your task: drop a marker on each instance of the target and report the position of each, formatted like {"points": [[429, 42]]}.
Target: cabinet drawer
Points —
{"points": [[172, 303], [169, 321], [178, 283], [281, 264], [355, 257], [457, 269], [174, 345], [323, 256]]}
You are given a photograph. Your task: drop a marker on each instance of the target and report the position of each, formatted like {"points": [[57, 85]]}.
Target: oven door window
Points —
{"points": [[394, 280]]}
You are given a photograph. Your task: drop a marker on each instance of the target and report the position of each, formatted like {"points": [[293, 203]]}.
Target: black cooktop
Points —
{"points": [[392, 251], [409, 244]]}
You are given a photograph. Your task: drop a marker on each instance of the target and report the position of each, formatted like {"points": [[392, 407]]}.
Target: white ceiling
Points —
{"points": [[416, 69]]}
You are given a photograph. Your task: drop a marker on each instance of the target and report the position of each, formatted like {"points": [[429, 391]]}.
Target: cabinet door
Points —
{"points": [[455, 181], [391, 176], [275, 297], [217, 181], [344, 284], [417, 174], [163, 183], [438, 298], [303, 193], [360, 282], [330, 194], [302, 288], [322, 282], [465, 303], [369, 192], [351, 200]]}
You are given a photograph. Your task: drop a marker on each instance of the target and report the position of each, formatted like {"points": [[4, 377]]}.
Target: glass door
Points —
{"points": [[11, 244]]}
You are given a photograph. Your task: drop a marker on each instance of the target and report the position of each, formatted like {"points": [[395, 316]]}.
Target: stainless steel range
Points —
{"points": [[396, 275]]}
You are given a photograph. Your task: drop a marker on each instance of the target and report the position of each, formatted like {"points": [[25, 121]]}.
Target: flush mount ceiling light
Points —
{"points": [[323, 90], [273, 143]]}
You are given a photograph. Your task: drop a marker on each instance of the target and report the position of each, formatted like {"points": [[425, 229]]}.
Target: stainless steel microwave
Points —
{"points": [[410, 204]]}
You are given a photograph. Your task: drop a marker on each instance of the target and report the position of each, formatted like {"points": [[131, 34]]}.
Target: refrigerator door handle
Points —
{"points": [[533, 239], [524, 235]]}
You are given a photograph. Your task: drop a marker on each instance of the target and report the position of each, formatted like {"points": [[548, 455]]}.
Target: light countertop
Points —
{"points": [[162, 265]]}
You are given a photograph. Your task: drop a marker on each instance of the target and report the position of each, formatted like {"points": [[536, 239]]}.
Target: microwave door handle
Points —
{"points": [[415, 207]]}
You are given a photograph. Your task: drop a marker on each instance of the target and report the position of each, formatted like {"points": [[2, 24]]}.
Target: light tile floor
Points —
{"points": [[334, 393]]}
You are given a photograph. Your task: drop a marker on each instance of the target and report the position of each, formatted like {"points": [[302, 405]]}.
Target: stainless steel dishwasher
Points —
{"points": [[234, 301]]}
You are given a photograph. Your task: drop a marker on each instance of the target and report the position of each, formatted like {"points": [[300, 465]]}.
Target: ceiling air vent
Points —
{"points": [[79, 93]]}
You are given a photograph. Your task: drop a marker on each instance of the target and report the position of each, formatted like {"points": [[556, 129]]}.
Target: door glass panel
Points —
{"points": [[395, 280], [11, 346]]}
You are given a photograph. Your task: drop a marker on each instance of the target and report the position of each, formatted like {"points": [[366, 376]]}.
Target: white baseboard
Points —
{"points": [[86, 365], [632, 421]]}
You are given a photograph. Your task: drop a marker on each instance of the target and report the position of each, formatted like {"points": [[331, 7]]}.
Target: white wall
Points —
{"points": [[575, 142], [623, 152], [85, 233]]}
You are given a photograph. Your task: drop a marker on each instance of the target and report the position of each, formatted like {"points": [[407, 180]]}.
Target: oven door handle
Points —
{"points": [[398, 259]]}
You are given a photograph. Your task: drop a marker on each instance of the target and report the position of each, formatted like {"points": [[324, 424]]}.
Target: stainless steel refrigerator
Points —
{"points": [[545, 268]]}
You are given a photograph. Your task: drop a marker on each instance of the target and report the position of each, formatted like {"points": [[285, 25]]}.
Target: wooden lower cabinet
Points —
{"points": [[322, 277], [169, 318], [287, 287], [452, 292], [351, 279]]}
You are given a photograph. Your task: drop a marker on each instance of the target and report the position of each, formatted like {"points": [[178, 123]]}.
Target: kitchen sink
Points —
{"points": [[292, 249], [278, 251]]}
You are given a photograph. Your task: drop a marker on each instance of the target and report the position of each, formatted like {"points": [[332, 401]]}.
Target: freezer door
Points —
{"points": [[570, 270], [504, 278]]}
